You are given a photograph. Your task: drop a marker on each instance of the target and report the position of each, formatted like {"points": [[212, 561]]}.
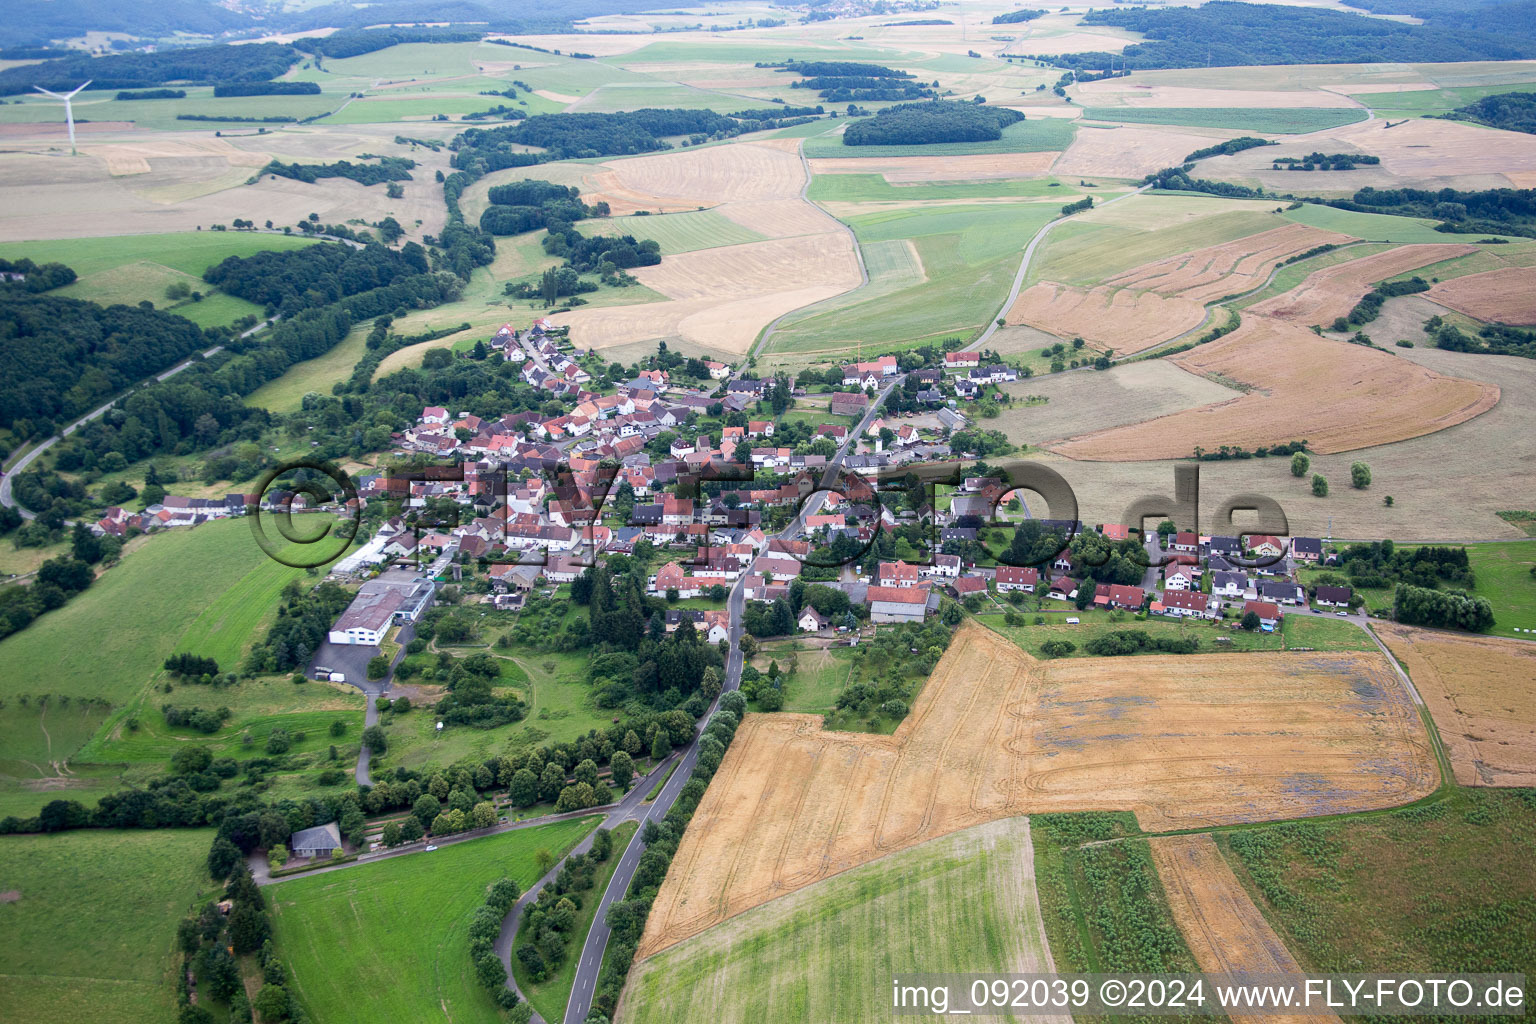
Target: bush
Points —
{"points": [[1360, 475], [1057, 648], [1300, 464], [1319, 485]]}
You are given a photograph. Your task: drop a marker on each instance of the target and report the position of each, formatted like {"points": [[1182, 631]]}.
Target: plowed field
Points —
{"points": [[1182, 742]]}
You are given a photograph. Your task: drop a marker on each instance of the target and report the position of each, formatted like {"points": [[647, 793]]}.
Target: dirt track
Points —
{"points": [[1182, 742], [1224, 929], [1478, 690]]}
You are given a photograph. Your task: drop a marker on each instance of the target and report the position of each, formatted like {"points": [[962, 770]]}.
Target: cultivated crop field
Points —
{"points": [[1123, 151], [1259, 120], [1479, 691], [965, 902], [115, 963], [913, 170], [996, 733], [1332, 292], [1505, 296], [1218, 271], [1337, 396], [1122, 320], [390, 941], [1032, 135], [1444, 883], [1226, 933]]}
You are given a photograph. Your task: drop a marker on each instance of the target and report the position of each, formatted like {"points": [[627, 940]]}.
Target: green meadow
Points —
{"points": [[389, 940], [90, 931], [965, 259], [873, 188], [1032, 135], [1268, 120], [683, 232]]}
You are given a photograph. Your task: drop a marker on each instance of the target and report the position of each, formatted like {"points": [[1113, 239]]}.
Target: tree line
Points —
{"points": [[229, 89], [389, 168], [1511, 111], [583, 136]]}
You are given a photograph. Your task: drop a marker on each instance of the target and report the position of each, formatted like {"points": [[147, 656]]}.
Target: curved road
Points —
{"points": [[591, 959]]}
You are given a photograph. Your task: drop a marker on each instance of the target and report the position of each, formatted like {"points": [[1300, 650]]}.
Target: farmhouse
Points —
{"points": [[316, 842], [848, 404], [898, 574], [896, 604], [969, 585], [961, 360], [811, 621]]}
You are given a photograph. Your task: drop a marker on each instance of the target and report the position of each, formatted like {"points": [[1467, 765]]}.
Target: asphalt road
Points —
{"points": [[7, 498], [590, 963]]}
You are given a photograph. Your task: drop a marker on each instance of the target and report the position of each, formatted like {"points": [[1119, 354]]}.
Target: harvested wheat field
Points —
{"points": [[1127, 152], [1430, 148], [910, 169], [1478, 690], [1333, 291], [1335, 395], [1121, 319], [1217, 271], [1506, 296], [717, 174], [1182, 742], [722, 297], [1223, 928], [1127, 92]]}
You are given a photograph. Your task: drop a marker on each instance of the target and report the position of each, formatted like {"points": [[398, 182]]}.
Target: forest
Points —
{"points": [[389, 168], [921, 124], [1014, 17], [1511, 111], [1227, 34], [314, 275], [584, 136], [257, 62], [531, 204], [357, 43], [65, 356], [1501, 17], [1506, 211]]}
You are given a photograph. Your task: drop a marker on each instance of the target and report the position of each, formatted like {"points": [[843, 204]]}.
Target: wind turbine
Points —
{"points": [[69, 113]]}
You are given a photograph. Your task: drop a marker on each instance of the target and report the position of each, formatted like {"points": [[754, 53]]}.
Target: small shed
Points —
{"points": [[316, 842]]}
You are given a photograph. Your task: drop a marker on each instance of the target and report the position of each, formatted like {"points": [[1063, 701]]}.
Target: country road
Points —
{"points": [[583, 987]]}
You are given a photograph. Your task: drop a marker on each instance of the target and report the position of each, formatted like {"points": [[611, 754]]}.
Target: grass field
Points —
{"points": [[286, 393], [1377, 227], [1103, 905], [389, 941], [206, 583], [968, 255], [1297, 631], [550, 996], [1504, 578], [1460, 898], [683, 232], [91, 933], [821, 675], [965, 902], [1034, 135], [873, 188], [1418, 103], [130, 270], [1267, 120]]}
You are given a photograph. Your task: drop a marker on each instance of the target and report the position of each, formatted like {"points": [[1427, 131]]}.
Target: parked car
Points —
{"points": [[431, 848]]}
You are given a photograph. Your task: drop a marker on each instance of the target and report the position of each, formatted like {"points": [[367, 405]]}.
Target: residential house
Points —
{"points": [[1188, 603], [1178, 577], [849, 404], [1268, 612], [897, 574], [1282, 592], [1063, 588], [1114, 595], [1232, 585], [811, 621], [1333, 597], [1307, 549], [961, 360], [1011, 577], [964, 585], [943, 566]]}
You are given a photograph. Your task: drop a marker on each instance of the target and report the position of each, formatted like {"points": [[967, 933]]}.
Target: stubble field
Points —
{"points": [[996, 734], [1478, 689], [1123, 320]]}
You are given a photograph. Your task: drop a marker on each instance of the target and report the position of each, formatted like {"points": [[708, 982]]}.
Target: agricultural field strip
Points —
{"points": [[1224, 929], [996, 734], [1362, 390]]}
